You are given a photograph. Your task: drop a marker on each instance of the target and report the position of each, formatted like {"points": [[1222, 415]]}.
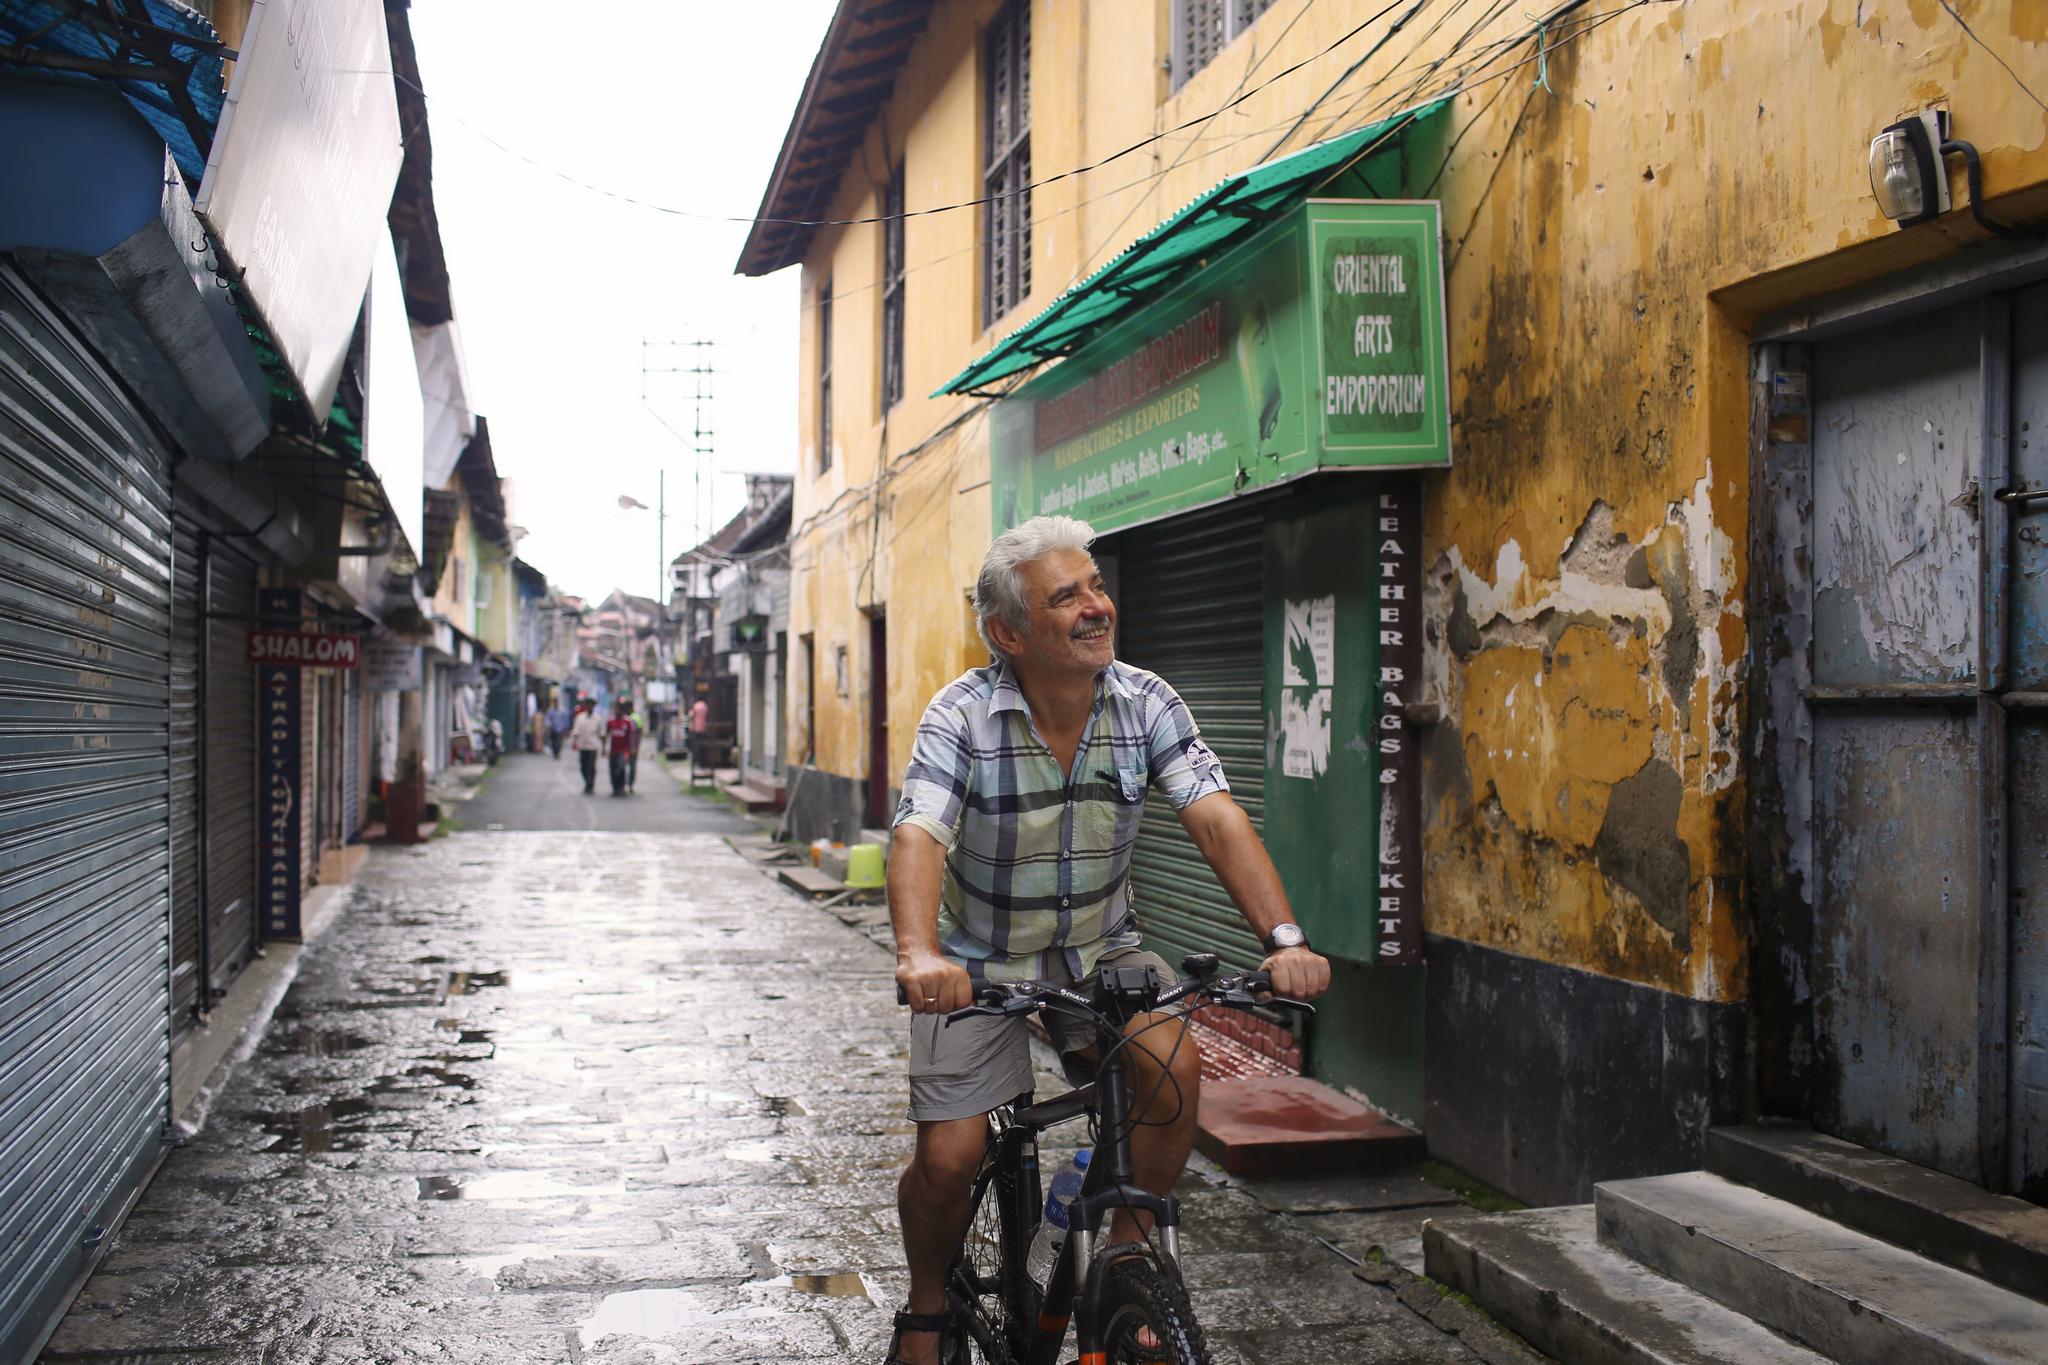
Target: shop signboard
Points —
{"points": [[390, 666], [1320, 343], [300, 176], [284, 648]]}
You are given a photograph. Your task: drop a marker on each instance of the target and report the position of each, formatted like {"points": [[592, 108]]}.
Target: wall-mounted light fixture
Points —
{"points": [[1905, 168], [1909, 174]]}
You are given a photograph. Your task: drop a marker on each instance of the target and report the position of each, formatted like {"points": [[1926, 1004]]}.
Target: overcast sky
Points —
{"points": [[678, 104]]}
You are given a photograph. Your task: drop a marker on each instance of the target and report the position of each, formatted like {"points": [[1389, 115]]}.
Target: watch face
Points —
{"points": [[1287, 936]]}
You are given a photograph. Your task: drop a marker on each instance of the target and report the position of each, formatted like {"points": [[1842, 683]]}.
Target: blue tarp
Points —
{"points": [[56, 28]]}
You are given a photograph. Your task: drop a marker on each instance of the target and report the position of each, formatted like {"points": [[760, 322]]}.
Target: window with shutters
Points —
{"points": [[892, 291], [825, 376], [1203, 28], [1006, 175]]}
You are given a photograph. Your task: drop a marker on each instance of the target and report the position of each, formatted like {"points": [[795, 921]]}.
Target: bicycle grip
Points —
{"points": [[902, 996]]}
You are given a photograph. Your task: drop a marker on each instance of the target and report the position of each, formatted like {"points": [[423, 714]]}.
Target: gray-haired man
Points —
{"points": [[1011, 860]]}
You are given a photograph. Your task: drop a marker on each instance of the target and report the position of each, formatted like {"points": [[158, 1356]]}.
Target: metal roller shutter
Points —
{"points": [[352, 757], [188, 671], [1191, 608], [230, 832], [85, 587]]}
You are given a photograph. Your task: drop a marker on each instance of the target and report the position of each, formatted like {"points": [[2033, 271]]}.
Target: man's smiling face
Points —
{"points": [[1073, 622]]}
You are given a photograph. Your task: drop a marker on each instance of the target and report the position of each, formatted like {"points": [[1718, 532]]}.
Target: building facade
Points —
{"points": [[1724, 577]]}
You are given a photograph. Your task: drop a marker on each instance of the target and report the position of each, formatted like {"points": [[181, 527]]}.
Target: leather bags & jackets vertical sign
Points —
{"points": [[277, 775]]}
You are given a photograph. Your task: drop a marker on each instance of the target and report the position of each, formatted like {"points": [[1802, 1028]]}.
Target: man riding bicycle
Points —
{"points": [[1010, 860]]}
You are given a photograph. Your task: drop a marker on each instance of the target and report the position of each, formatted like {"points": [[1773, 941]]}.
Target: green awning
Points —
{"points": [[1216, 221]]}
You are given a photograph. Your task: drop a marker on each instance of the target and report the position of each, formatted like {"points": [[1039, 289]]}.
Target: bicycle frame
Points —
{"points": [[1108, 1186]]}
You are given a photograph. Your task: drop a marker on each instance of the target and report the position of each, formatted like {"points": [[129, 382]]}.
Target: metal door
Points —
{"points": [[1191, 608], [85, 606], [1924, 742], [188, 876], [2020, 523]]}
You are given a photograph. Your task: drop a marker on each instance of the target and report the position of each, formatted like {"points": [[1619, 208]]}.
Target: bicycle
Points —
{"points": [[1110, 1293]]}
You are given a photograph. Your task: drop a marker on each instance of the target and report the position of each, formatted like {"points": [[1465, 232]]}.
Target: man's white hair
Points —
{"points": [[999, 591]]}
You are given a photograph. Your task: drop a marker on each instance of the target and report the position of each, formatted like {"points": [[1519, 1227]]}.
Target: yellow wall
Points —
{"points": [[1610, 241]]}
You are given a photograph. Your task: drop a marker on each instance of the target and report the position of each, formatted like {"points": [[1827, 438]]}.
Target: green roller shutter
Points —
{"points": [[1191, 608]]}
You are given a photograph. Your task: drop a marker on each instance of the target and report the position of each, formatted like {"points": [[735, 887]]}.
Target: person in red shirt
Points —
{"points": [[621, 742]]}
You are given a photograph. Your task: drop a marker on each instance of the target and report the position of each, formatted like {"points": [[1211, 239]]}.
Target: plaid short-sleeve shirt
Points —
{"points": [[1038, 861]]}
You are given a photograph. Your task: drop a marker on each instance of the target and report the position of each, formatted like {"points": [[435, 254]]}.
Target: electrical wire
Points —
{"points": [[2016, 80]]}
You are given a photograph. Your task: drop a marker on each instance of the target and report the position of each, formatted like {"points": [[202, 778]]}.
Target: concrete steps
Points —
{"points": [[755, 791], [1545, 1274], [1793, 1247], [1993, 1236], [1847, 1294]]}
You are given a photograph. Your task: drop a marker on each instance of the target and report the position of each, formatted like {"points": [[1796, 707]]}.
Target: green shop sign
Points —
{"points": [[1318, 344]]}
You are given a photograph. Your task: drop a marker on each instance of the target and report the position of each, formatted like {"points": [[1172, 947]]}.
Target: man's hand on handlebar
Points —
{"points": [[1299, 973], [930, 983]]}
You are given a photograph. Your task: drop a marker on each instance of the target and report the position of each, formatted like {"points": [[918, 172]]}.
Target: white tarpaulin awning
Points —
{"points": [[301, 173], [444, 387], [394, 425]]}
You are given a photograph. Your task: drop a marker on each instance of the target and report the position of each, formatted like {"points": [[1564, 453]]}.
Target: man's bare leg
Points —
{"points": [[933, 1203]]}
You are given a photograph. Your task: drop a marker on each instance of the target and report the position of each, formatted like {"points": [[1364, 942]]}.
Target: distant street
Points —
{"points": [[535, 792]]}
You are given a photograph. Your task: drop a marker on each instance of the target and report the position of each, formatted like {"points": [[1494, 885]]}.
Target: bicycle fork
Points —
{"points": [[1108, 1186]]}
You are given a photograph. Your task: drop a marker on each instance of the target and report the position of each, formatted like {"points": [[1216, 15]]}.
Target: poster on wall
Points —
{"points": [[1320, 343]]}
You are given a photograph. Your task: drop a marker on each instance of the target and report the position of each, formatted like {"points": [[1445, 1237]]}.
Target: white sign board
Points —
{"points": [[395, 425], [390, 666], [300, 177]]}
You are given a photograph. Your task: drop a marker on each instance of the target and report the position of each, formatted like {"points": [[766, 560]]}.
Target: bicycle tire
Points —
{"points": [[1137, 1294], [981, 1280]]}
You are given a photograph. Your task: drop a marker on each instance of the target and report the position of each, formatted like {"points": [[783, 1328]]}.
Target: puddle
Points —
{"points": [[649, 1313], [469, 983], [487, 1267], [753, 1151], [839, 1284], [321, 1042], [510, 1185]]}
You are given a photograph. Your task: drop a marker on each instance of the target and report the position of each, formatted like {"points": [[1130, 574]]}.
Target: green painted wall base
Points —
{"points": [[1367, 1036]]}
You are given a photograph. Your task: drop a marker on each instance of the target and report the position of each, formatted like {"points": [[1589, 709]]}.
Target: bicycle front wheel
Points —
{"points": [[1138, 1295], [987, 1283]]}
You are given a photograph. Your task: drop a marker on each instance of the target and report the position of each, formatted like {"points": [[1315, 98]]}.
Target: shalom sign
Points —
{"points": [[304, 649]]}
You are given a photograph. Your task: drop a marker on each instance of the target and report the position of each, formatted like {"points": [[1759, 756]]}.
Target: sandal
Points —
{"points": [[907, 1321]]}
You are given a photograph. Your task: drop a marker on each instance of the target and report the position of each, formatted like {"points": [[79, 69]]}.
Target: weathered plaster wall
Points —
{"points": [[1610, 237]]}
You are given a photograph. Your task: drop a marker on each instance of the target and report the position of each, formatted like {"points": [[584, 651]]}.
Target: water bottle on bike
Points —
{"points": [[1052, 1229]]}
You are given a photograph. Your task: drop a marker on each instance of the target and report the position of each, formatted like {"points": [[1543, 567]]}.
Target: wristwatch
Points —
{"points": [[1286, 935]]}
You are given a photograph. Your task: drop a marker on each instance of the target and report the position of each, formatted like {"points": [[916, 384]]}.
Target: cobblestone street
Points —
{"points": [[604, 1096]]}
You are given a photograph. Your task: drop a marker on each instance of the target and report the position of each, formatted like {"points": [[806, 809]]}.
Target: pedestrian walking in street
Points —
{"points": [[558, 722], [633, 746], [620, 734], [1030, 776], [586, 738], [700, 734]]}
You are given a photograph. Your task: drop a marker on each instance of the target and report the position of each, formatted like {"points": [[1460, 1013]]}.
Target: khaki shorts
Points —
{"points": [[960, 1070]]}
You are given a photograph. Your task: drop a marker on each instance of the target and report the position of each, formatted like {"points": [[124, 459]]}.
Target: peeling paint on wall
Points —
{"points": [[1599, 722]]}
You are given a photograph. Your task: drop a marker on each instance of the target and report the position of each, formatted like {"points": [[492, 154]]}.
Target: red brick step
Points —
{"points": [[1291, 1125]]}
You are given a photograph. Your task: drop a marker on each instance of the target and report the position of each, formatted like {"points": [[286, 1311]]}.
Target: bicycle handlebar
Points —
{"points": [[1246, 990]]}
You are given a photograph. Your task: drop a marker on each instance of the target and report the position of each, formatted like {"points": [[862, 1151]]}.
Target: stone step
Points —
{"points": [[751, 798], [1544, 1274], [1844, 1293], [809, 880], [1993, 1236], [1291, 1125]]}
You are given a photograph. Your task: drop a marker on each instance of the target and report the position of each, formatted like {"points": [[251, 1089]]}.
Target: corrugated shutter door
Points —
{"points": [[85, 582], [230, 831], [1191, 608], [352, 757], [188, 636]]}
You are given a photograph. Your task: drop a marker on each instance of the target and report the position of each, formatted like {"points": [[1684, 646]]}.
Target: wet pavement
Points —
{"points": [[603, 1096]]}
